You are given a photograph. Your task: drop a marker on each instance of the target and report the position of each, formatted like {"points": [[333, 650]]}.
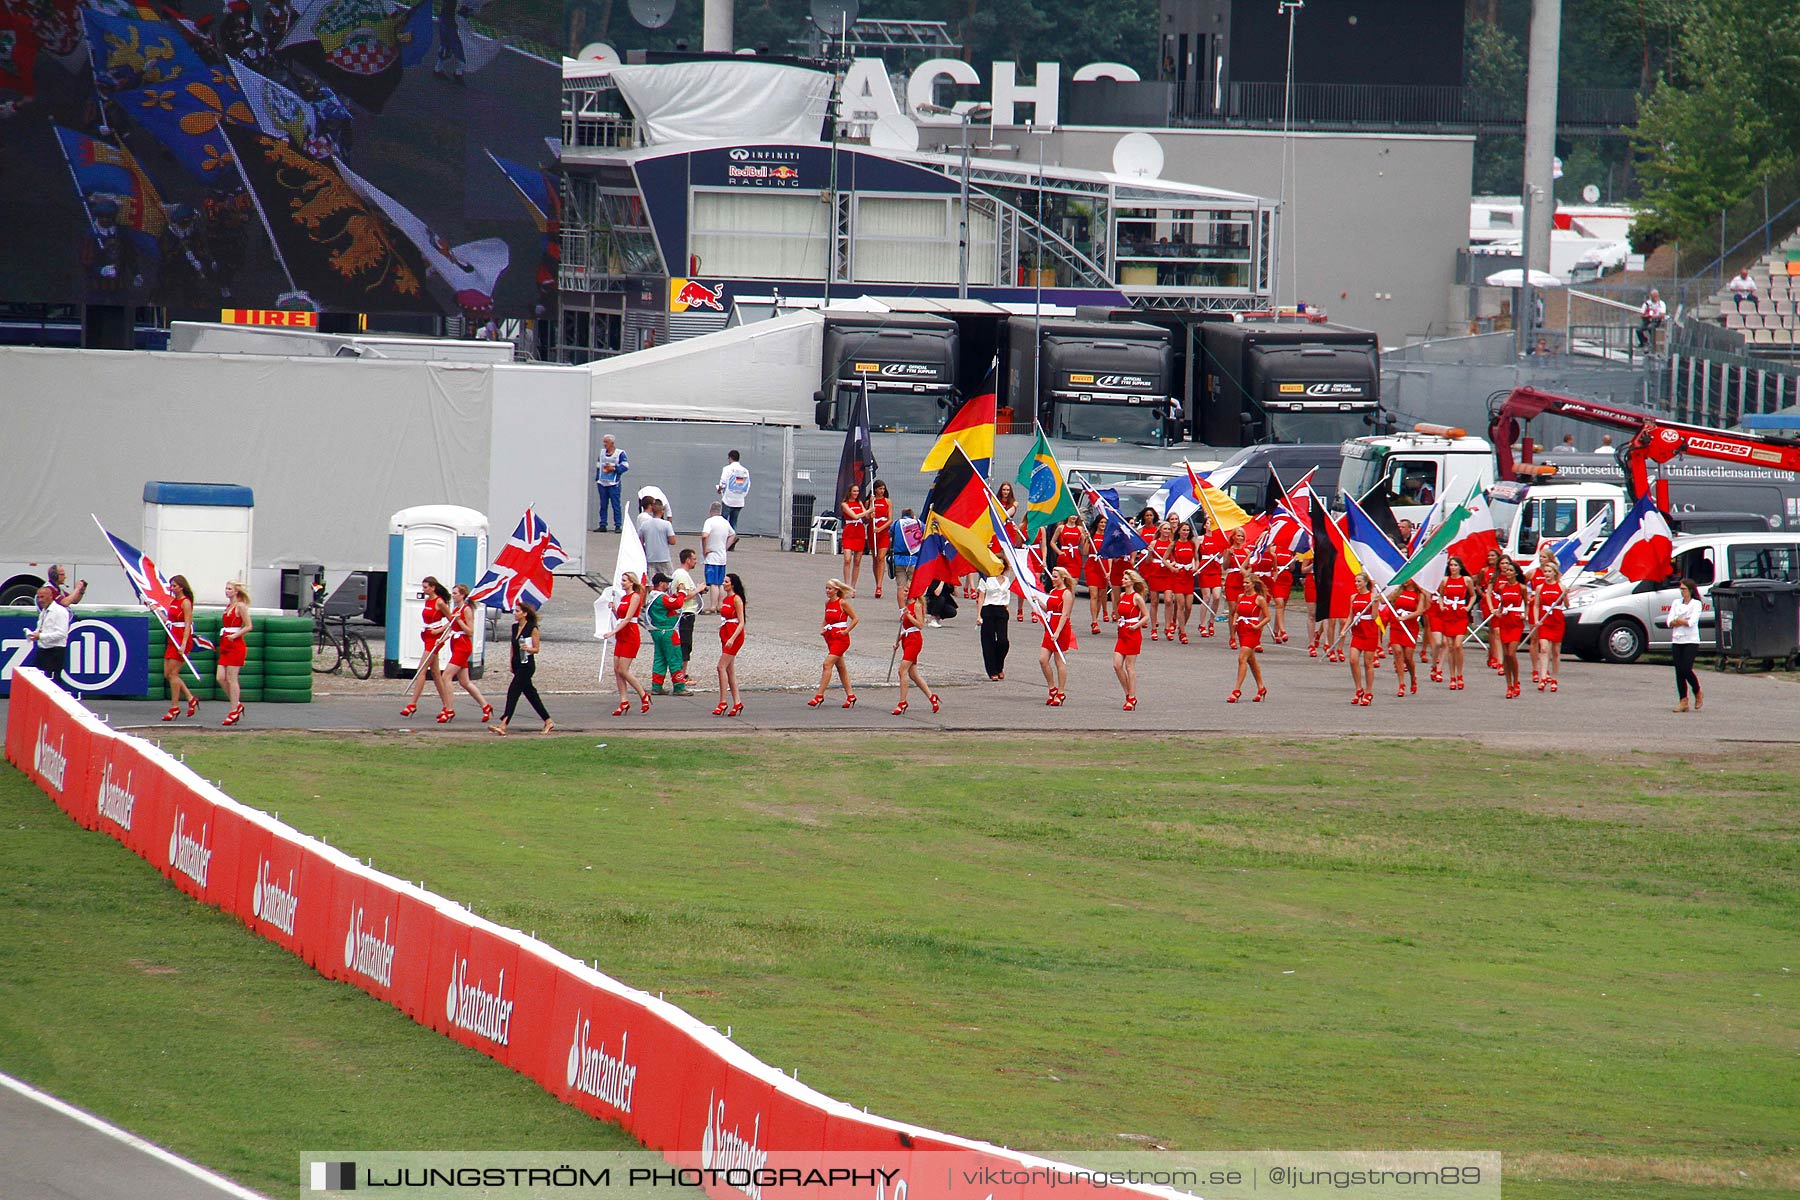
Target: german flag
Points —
{"points": [[957, 510], [971, 427]]}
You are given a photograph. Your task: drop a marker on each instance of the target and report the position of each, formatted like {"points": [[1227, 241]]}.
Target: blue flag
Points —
{"points": [[149, 72], [1120, 539]]}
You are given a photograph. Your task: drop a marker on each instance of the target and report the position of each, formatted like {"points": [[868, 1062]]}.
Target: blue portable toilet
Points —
{"points": [[447, 542]]}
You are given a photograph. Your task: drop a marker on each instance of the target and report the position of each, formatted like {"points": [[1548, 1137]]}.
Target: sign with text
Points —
{"points": [[108, 656]]}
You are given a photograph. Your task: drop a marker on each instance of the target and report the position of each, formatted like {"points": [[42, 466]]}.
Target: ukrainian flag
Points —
{"points": [[1040, 481]]}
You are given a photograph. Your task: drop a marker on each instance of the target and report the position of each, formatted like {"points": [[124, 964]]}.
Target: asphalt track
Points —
{"points": [[50, 1150]]}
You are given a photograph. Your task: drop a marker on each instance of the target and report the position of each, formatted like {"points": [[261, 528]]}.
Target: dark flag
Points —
{"points": [[1375, 506], [359, 47], [1325, 560], [857, 463], [335, 247]]}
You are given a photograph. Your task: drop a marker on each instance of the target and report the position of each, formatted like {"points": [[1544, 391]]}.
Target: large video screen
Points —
{"points": [[361, 156]]}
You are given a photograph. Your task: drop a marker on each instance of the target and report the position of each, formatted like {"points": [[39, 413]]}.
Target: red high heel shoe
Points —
{"points": [[409, 710], [487, 710], [174, 711], [193, 705], [1542, 684], [1093, 627], [1437, 676], [1367, 699], [234, 716], [1260, 693], [935, 702], [624, 707], [1153, 633], [1130, 703], [1312, 651], [1415, 686], [818, 699], [1170, 631], [736, 709], [445, 716], [1233, 698], [1019, 617], [719, 709], [644, 706], [1553, 683], [899, 709], [1357, 698], [878, 592], [849, 701], [1184, 640]]}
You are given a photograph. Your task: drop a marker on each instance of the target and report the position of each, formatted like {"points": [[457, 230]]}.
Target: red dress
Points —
{"points": [[1131, 625], [1099, 571], [856, 527], [1310, 588], [837, 628], [912, 638], [1365, 634], [1181, 578], [180, 637], [1509, 618], [1158, 573], [1212, 551], [884, 520], [437, 619], [1282, 586], [1550, 617], [231, 638], [1234, 574], [625, 644], [1454, 595], [1484, 579], [1406, 604], [1249, 622], [1059, 603], [731, 626], [462, 645], [1068, 549]]}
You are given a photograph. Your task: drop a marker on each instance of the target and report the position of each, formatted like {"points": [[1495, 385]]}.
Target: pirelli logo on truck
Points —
{"points": [[275, 317], [1322, 391]]}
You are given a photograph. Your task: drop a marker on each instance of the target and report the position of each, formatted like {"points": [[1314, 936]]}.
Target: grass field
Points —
{"points": [[1054, 944]]}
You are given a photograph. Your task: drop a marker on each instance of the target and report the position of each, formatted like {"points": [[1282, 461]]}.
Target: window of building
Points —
{"points": [[912, 239], [760, 235]]}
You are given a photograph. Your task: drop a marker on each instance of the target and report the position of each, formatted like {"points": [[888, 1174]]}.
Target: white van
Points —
{"points": [[1619, 621]]}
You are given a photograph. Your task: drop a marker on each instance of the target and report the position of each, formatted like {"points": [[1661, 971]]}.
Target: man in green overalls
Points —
{"points": [[665, 618]]}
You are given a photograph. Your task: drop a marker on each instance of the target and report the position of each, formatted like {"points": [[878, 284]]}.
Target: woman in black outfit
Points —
{"points": [[524, 665]]}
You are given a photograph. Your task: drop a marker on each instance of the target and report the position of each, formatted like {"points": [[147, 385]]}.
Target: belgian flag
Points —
{"points": [[971, 427]]}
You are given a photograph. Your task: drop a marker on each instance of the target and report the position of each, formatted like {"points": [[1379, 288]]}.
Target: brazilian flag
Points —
{"points": [[1040, 481]]}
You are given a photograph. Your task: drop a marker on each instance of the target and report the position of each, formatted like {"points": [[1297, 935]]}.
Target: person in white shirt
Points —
{"points": [[684, 583], [1650, 318], [1606, 445], [51, 636], [734, 487], [1684, 643], [1742, 287], [717, 537], [996, 598]]}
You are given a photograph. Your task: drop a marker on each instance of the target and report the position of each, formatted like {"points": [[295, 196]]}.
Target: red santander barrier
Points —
{"points": [[621, 1055]]}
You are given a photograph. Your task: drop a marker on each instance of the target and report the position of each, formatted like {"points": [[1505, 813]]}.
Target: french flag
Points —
{"points": [[1640, 549]]}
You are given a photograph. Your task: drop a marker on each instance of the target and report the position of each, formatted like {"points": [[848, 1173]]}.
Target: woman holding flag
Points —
{"points": [[1365, 638], [627, 636], [1507, 599], [1237, 566], [181, 640], [1545, 569], [1485, 579], [1130, 640], [1248, 620], [1100, 575], [233, 625], [1059, 635], [436, 616], [840, 619], [1548, 626], [1213, 549], [912, 640], [1455, 596], [1408, 605], [462, 646], [853, 516], [881, 518], [1183, 556]]}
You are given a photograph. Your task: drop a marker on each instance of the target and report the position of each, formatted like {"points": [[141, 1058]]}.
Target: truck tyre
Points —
{"points": [[1622, 640], [19, 593]]}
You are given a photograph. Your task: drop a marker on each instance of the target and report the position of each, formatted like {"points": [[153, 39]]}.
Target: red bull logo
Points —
{"points": [[784, 173], [691, 293]]}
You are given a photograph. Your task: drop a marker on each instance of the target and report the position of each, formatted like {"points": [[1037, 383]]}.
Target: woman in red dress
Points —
{"points": [[462, 646], [1237, 568], [181, 640], [1434, 637], [1130, 640], [853, 516], [840, 619], [1059, 635], [1408, 605], [881, 518], [1507, 598], [1484, 586], [434, 636], [1547, 616], [911, 641], [1213, 549], [1309, 594], [1157, 573], [627, 635], [734, 622], [1281, 586], [1365, 638], [232, 628], [1249, 618], [1184, 555], [1099, 575], [1455, 597], [1544, 567]]}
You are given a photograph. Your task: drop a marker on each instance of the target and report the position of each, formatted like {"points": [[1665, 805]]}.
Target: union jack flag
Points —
{"points": [[522, 570], [151, 587]]}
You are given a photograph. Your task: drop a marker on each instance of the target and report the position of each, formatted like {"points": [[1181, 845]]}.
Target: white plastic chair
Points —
{"points": [[825, 526]]}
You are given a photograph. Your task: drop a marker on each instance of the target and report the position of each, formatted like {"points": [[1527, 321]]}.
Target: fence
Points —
{"points": [[1359, 106], [1712, 381]]}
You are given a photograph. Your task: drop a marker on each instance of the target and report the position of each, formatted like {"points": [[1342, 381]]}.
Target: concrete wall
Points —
{"points": [[1374, 220]]}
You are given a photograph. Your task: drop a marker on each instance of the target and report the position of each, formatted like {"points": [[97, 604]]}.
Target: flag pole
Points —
{"points": [[168, 630]]}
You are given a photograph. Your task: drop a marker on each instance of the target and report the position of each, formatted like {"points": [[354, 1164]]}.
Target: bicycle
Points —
{"points": [[332, 650]]}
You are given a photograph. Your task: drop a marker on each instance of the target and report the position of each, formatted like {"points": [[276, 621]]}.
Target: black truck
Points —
{"points": [[1097, 381], [908, 361], [1284, 382]]}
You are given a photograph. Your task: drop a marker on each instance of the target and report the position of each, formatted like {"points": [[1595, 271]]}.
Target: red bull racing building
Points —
{"points": [[697, 184]]}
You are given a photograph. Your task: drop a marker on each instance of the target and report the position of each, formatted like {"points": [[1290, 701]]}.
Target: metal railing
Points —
{"points": [[1356, 106]]}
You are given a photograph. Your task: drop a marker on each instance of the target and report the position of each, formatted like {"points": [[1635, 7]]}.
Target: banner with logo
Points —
{"points": [[539, 1046], [269, 892], [130, 796], [189, 851], [475, 977], [108, 656]]}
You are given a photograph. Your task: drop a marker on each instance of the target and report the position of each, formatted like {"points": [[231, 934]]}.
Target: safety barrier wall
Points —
{"points": [[618, 1054]]}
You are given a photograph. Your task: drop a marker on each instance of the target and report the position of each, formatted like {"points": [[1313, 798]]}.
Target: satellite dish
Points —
{"points": [[600, 52], [834, 16], [1591, 194], [893, 132], [1139, 155], [652, 14]]}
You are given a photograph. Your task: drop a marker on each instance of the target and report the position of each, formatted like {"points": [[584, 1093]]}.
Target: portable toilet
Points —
{"points": [[201, 531], [446, 542]]}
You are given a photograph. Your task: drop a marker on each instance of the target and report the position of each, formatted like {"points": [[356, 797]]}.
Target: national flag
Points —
{"points": [[1476, 536], [629, 561], [971, 427], [1119, 539], [1325, 563], [156, 593], [1427, 562], [1040, 480], [472, 270], [1568, 549], [149, 71], [1640, 548], [522, 571], [358, 47], [856, 463], [537, 188], [1026, 576], [334, 246], [957, 509], [1377, 508], [1345, 564], [1221, 510], [415, 34], [279, 111], [19, 46], [1369, 545], [102, 170], [1424, 528]]}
